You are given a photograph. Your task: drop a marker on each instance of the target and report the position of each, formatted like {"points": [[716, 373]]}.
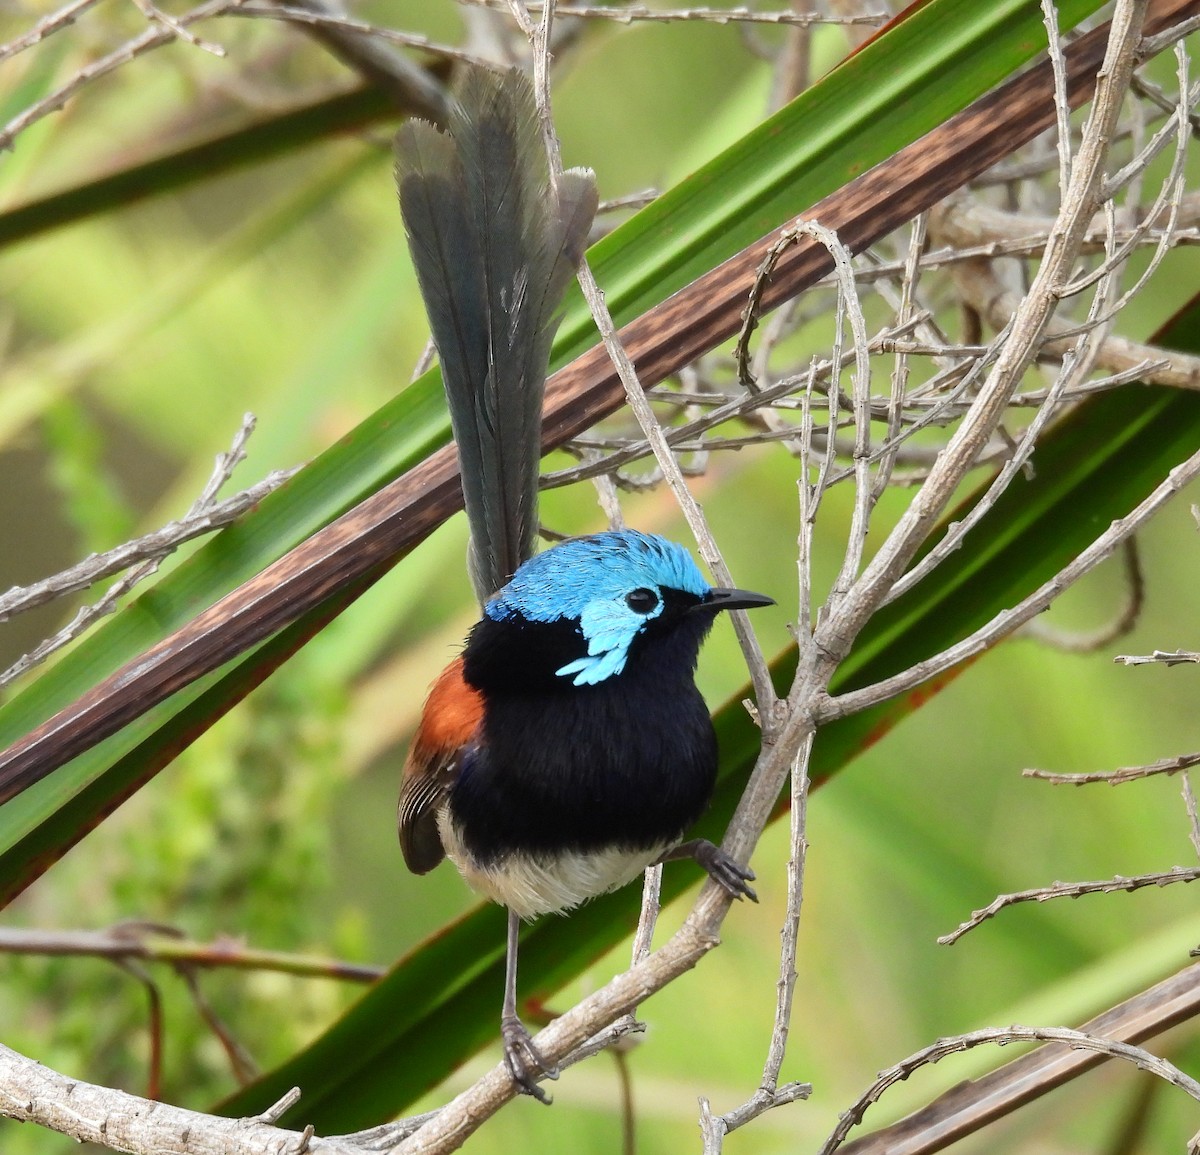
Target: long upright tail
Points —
{"points": [[494, 245]]}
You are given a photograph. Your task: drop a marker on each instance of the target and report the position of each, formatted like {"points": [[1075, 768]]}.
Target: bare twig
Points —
{"points": [[969, 1106], [639, 13], [204, 516], [1071, 890], [366, 47], [157, 16], [1159, 657], [1153, 45], [714, 1128], [770, 1094], [1189, 802], [277, 1110], [1002, 1036], [1116, 777], [154, 1024], [155, 36], [49, 24], [1062, 107], [906, 313], [240, 1060], [140, 558], [1124, 620], [151, 942], [1004, 623], [882, 580], [785, 986]]}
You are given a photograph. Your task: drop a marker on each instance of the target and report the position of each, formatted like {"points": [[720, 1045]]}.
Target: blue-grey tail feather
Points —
{"points": [[494, 248]]}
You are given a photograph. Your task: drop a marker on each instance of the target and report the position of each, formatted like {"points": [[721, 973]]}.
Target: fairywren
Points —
{"points": [[568, 748]]}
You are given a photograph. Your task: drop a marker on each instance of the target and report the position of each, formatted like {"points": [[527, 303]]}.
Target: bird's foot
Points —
{"points": [[524, 1060], [731, 876]]}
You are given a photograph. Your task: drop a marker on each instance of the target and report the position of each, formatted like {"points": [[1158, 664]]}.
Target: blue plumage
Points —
{"points": [[563, 581], [610, 583]]}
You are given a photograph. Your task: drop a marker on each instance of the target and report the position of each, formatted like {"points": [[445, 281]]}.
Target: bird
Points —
{"points": [[567, 748]]}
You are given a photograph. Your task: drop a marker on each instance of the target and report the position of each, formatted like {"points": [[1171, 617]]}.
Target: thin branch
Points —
{"points": [[906, 313], [1189, 802], [969, 1106], [49, 24], [366, 47], [154, 37], [785, 986], [281, 1107], [1159, 657], [1002, 1036], [244, 1068], [1116, 777], [1124, 620], [389, 1136], [1153, 45], [154, 1025], [714, 1128], [639, 13], [1071, 890], [1076, 361], [883, 574], [204, 516], [150, 942], [140, 558], [156, 15], [1058, 65], [1006, 622]]}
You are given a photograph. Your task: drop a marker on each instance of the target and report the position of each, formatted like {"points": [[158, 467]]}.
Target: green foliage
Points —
{"points": [[285, 288]]}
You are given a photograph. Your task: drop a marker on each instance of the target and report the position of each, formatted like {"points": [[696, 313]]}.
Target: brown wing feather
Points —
{"points": [[452, 714]]}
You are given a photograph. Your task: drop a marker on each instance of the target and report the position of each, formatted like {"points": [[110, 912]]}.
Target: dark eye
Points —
{"points": [[642, 601]]}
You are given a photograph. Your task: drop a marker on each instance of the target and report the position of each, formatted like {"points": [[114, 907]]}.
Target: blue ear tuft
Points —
{"points": [[595, 667]]}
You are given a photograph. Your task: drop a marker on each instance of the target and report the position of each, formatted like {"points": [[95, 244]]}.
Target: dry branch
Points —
{"points": [[934, 1137], [1071, 890], [983, 383], [150, 942], [970, 1106]]}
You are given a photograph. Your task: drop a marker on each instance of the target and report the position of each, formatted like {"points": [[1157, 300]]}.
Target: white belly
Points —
{"points": [[531, 886]]}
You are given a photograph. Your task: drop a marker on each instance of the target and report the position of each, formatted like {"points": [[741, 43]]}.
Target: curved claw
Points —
{"points": [[731, 876], [524, 1061]]}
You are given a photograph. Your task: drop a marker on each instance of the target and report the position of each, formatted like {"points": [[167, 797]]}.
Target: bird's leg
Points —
{"points": [[731, 876], [521, 1056]]}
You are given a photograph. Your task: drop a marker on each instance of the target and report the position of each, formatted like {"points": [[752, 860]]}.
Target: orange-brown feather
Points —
{"points": [[453, 712]]}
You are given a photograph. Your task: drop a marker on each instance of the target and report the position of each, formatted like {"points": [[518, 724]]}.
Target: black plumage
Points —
{"points": [[629, 762]]}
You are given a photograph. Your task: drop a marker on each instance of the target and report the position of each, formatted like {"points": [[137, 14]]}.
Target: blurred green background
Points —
{"points": [[134, 342]]}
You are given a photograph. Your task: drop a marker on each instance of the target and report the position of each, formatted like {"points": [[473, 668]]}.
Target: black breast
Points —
{"points": [[630, 762]]}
